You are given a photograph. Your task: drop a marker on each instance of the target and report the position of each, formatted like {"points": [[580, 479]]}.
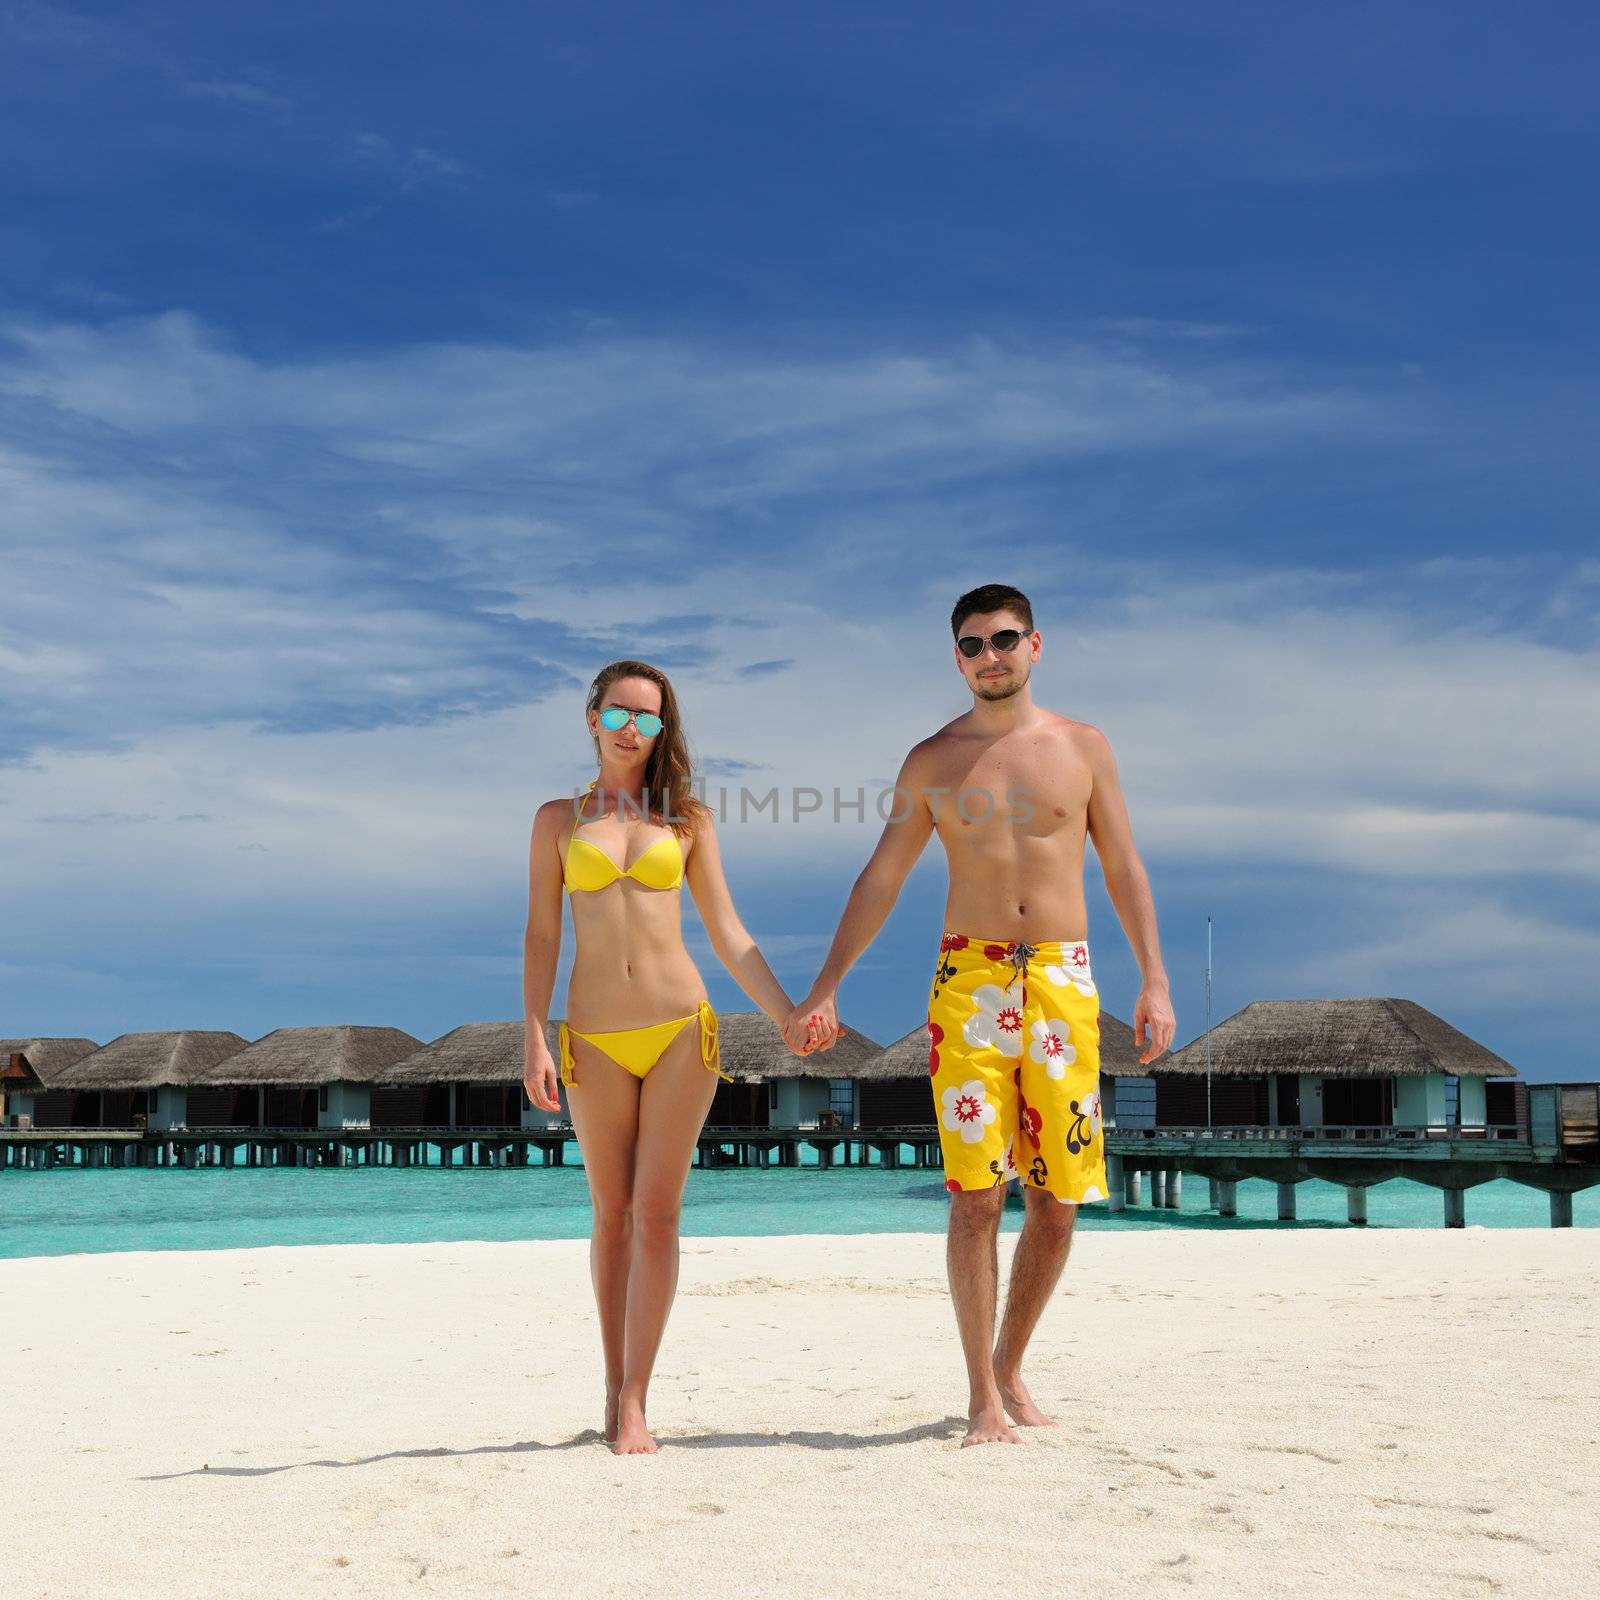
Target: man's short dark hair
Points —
{"points": [[991, 597]]}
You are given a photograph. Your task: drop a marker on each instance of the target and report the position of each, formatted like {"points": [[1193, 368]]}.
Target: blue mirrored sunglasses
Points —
{"points": [[615, 717]]}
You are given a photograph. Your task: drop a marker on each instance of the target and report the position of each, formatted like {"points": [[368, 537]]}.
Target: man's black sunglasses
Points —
{"points": [[1005, 641]]}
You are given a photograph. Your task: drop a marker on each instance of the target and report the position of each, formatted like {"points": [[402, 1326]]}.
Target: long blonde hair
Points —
{"points": [[667, 772]]}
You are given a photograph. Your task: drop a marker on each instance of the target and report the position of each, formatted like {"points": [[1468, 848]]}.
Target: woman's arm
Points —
{"points": [[735, 949], [541, 949]]}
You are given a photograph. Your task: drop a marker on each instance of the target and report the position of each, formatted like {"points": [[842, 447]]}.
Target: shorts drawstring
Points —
{"points": [[1018, 955]]}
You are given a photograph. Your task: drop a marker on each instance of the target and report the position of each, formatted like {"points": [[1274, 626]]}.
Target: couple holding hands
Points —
{"points": [[1013, 792]]}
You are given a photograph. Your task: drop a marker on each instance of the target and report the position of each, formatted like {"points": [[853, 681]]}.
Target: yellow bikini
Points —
{"points": [[594, 869], [587, 868]]}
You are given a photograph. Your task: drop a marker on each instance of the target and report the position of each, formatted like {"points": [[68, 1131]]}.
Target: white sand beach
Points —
{"points": [[1284, 1413]]}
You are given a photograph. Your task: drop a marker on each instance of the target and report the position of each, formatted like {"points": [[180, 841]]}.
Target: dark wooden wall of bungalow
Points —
{"points": [[211, 1105], [1579, 1112], [1235, 1101], [422, 1105], [291, 1107], [738, 1105], [895, 1103], [52, 1108], [1505, 1102], [427, 1105], [488, 1105], [102, 1108]]}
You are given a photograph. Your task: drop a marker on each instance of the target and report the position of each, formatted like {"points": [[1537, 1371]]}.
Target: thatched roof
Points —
{"points": [[751, 1046], [148, 1060], [907, 1057], [1337, 1039], [46, 1057], [307, 1056], [476, 1052]]}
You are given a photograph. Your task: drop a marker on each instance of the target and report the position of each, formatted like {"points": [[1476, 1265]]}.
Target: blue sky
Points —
{"points": [[371, 375]]}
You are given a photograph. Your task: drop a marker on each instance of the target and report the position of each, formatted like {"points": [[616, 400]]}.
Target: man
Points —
{"points": [[1013, 791]]}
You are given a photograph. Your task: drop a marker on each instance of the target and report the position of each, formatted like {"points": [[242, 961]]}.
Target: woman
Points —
{"points": [[639, 1045]]}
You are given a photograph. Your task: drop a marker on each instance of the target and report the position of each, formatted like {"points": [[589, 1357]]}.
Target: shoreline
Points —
{"points": [[1301, 1413], [99, 1212]]}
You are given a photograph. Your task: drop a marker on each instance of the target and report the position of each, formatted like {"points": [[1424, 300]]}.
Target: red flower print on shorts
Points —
{"points": [[936, 1036], [995, 952], [953, 941], [1031, 1122], [952, 1186]]}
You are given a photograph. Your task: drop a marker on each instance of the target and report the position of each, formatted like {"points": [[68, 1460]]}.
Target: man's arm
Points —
{"points": [[1129, 888], [872, 898]]}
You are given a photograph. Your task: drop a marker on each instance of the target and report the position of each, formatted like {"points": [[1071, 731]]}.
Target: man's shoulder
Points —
{"points": [[1083, 736], [939, 741]]}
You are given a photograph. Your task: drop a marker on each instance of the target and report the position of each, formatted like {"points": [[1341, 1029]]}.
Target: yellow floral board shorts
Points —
{"points": [[1014, 1054]]}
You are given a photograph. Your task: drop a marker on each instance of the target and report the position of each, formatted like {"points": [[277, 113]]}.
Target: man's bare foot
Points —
{"points": [[1019, 1404], [989, 1427], [632, 1437], [611, 1416]]}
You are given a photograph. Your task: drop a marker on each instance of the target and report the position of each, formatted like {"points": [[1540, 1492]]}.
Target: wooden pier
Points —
{"points": [[1143, 1167]]}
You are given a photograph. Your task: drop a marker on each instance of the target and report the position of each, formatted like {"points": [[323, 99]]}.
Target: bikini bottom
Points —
{"points": [[638, 1049]]}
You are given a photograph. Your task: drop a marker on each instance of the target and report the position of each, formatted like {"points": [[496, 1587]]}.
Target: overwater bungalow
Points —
{"points": [[28, 1070], [773, 1088], [894, 1085], [317, 1077], [1363, 1064], [142, 1079], [470, 1077]]}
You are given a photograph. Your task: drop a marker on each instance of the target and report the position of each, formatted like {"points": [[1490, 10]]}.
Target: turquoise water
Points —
{"points": [[65, 1211]]}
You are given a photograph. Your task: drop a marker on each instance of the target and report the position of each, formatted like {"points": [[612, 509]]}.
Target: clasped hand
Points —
{"points": [[812, 1025]]}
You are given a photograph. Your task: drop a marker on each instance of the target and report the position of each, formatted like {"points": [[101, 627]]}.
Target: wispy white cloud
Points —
{"points": [[235, 92], [306, 634], [1156, 328], [398, 536], [1469, 948]]}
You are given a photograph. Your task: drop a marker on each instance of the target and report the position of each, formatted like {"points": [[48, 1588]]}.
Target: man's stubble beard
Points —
{"points": [[1017, 684]]}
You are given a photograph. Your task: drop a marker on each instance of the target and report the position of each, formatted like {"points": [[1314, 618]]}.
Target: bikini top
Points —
{"points": [[587, 866]]}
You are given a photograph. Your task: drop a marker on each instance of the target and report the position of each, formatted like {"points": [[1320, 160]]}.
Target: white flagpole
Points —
{"points": [[1208, 1022]]}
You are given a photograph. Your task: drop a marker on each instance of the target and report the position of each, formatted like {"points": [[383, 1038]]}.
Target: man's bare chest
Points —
{"points": [[1039, 791]]}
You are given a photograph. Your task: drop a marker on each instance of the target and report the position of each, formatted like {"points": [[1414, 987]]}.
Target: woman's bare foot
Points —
{"points": [[611, 1416], [632, 1436], [988, 1426], [1019, 1404]]}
